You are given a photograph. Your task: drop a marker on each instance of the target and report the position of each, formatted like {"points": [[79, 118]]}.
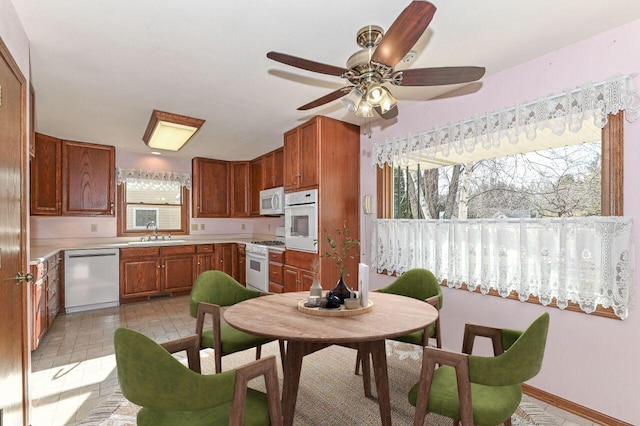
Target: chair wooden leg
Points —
{"points": [[507, 422], [218, 358], [283, 353]]}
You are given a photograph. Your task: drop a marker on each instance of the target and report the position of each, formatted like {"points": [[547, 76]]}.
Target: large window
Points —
{"points": [[532, 226], [565, 180], [146, 206], [556, 182]]}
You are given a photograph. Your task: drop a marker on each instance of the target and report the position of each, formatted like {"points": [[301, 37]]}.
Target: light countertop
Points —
{"points": [[43, 249]]}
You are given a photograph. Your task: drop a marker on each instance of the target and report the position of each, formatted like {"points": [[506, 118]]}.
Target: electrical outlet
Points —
{"points": [[94, 227], [243, 226], [202, 226], [269, 227], [194, 226]]}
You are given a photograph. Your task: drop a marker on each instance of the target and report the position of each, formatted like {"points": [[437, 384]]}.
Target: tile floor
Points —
{"points": [[73, 369]]}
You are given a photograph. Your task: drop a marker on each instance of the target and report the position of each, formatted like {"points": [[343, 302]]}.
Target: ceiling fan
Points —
{"points": [[372, 66]]}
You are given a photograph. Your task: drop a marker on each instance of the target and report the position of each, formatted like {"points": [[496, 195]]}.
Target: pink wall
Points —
{"points": [[43, 227], [589, 360]]}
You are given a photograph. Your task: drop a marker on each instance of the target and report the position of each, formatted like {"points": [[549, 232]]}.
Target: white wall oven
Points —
{"points": [[301, 220]]}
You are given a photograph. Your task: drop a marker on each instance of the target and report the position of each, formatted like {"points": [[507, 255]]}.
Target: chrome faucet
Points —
{"points": [[155, 229]]}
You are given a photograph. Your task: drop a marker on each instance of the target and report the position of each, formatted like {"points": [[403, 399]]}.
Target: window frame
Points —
{"points": [[122, 230], [612, 182]]}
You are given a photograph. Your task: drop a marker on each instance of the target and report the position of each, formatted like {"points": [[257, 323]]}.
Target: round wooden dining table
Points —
{"points": [[277, 316]]}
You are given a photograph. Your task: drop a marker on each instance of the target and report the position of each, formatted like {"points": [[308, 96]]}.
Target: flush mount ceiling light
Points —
{"points": [[170, 131]]}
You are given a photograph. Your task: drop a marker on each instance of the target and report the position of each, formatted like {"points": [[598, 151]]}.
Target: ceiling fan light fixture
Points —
{"points": [[168, 131], [375, 95], [388, 101], [365, 110], [352, 101]]}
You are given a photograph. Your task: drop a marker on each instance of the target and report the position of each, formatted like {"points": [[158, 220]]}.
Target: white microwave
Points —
{"points": [[272, 202]]}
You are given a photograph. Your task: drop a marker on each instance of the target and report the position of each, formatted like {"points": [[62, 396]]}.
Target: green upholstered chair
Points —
{"points": [[419, 284], [172, 394], [211, 291], [477, 390]]}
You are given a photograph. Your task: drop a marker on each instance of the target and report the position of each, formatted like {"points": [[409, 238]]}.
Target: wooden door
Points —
{"points": [[88, 179], [46, 176], [211, 185], [14, 337], [291, 168], [240, 194]]}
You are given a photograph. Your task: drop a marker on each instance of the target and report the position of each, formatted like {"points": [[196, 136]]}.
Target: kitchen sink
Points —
{"points": [[156, 242]]}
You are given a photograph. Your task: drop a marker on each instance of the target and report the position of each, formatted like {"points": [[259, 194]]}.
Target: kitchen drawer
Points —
{"points": [[204, 248], [130, 253], [242, 248], [276, 256], [53, 262], [275, 273], [174, 250], [275, 288]]}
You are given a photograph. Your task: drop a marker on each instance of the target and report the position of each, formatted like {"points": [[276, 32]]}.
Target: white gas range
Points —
{"points": [[257, 277]]}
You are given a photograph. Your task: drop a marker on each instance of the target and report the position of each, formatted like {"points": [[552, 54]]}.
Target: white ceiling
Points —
{"points": [[100, 67]]}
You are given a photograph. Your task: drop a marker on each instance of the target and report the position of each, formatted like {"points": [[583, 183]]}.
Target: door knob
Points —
{"points": [[21, 276]]}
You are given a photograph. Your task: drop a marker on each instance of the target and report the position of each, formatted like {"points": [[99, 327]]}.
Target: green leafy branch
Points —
{"points": [[340, 254]]}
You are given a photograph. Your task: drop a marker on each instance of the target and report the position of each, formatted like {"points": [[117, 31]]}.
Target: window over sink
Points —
{"points": [[150, 202]]}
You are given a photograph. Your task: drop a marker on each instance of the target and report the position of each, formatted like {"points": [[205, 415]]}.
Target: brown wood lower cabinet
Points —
{"points": [[46, 298], [205, 257], [298, 274], [242, 264], [276, 271], [226, 258], [150, 271]]}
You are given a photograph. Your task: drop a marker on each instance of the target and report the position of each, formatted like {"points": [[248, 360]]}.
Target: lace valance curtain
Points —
{"points": [[158, 180], [559, 112], [588, 261]]}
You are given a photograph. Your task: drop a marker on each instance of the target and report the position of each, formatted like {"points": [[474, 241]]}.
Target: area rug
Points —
{"points": [[329, 393]]}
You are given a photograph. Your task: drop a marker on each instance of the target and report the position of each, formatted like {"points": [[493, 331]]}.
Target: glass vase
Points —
{"points": [[341, 290]]}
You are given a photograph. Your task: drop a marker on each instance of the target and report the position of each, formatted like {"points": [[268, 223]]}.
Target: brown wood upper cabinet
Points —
{"points": [[240, 198], [46, 176], [272, 169], [301, 163], [220, 188], [88, 177], [211, 182], [256, 184], [72, 178]]}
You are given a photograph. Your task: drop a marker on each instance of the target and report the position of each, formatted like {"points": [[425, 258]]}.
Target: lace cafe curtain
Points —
{"points": [[588, 261], [153, 180]]}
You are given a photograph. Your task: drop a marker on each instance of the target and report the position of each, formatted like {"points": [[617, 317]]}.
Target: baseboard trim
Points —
{"points": [[572, 407]]}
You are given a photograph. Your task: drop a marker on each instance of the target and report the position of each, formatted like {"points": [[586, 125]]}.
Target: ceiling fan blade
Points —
{"points": [[403, 34], [337, 94], [439, 76], [392, 113], [306, 64]]}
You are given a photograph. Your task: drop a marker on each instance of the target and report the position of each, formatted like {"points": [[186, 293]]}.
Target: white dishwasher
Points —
{"points": [[91, 279]]}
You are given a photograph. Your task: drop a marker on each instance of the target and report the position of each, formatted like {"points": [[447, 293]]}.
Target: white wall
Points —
{"points": [[589, 360]]}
